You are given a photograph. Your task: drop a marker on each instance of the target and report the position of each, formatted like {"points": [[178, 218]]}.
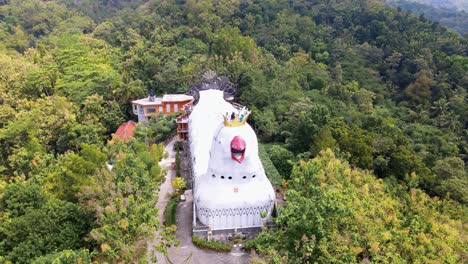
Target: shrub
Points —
{"points": [[249, 245], [66, 256], [282, 159], [212, 244], [178, 184], [170, 211], [270, 169]]}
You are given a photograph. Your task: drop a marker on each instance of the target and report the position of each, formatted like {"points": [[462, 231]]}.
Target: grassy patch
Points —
{"points": [[212, 244], [270, 169], [170, 211]]}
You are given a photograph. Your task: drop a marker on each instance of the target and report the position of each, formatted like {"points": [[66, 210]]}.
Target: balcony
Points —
{"points": [[187, 107], [182, 119]]}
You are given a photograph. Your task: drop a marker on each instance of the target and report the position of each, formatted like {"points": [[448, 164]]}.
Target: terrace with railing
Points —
{"points": [[182, 121]]}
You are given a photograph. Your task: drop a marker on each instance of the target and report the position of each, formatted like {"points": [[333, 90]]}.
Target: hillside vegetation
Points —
{"points": [[451, 18], [446, 4], [383, 89]]}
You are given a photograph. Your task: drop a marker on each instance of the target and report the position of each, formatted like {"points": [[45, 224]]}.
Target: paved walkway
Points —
{"points": [[187, 252], [166, 187], [164, 191]]}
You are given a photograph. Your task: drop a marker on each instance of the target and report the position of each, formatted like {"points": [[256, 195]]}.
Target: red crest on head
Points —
{"points": [[238, 149]]}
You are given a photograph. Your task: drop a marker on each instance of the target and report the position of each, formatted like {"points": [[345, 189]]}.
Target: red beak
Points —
{"points": [[238, 149]]}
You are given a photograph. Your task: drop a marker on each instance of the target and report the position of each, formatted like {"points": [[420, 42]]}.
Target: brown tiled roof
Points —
{"points": [[125, 132]]}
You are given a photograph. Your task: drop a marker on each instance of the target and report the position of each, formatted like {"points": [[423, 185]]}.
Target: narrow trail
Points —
{"points": [[163, 195], [166, 188]]}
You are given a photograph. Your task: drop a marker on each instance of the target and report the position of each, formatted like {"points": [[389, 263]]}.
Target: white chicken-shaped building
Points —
{"points": [[231, 189]]}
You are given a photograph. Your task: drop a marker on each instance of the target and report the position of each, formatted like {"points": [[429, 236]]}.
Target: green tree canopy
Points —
{"points": [[338, 214]]}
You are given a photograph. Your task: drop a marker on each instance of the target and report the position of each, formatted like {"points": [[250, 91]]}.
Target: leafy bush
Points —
{"points": [[282, 159], [81, 256], [270, 169], [170, 211], [19, 198], [212, 244], [179, 184], [251, 244]]}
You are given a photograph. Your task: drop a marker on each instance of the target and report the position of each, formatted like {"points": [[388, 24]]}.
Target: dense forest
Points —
{"points": [[451, 18], [361, 107], [446, 4]]}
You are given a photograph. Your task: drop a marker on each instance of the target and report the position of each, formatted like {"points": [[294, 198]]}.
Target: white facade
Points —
{"points": [[139, 111], [228, 193]]}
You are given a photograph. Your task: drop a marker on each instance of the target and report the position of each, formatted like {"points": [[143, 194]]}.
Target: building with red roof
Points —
{"points": [[125, 132]]}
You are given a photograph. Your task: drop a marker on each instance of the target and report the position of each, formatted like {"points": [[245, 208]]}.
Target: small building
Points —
{"points": [[152, 105], [125, 132]]}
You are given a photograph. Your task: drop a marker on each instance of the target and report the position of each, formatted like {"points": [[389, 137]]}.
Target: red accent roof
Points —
{"points": [[125, 132]]}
